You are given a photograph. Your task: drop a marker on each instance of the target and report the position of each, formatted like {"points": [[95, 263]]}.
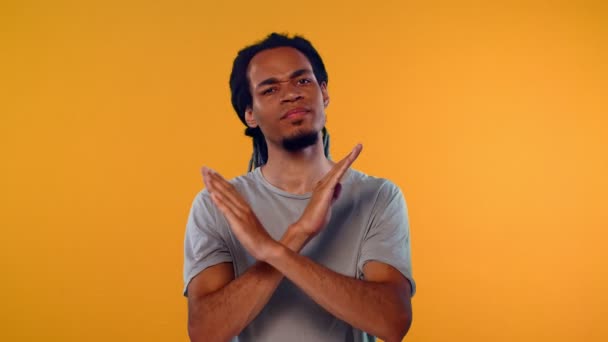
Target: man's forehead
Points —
{"points": [[277, 62]]}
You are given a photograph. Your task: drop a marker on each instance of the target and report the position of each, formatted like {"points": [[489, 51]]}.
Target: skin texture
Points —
{"points": [[221, 306]]}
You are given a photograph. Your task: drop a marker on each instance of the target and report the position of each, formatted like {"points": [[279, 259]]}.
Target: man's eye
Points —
{"points": [[304, 81], [268, 91]]}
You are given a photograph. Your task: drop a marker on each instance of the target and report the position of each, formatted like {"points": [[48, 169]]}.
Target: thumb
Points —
{"points": [[336, 194]]}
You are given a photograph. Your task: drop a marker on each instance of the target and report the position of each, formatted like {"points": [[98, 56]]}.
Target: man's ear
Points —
{"points": [[251, 121], [325, 94]]}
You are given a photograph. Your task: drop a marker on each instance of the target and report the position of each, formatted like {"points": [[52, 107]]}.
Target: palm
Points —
{"points": [[318, 212], [243, 222]]}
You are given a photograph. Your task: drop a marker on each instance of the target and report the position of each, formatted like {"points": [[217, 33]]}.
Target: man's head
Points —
{"points": [[279, 90]]}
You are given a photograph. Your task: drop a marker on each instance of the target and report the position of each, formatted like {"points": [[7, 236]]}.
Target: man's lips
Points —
{"points": [[295, 113]]}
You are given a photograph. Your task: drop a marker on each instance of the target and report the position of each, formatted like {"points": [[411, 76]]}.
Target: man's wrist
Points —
{"points": [[295, 238], [273, 252]]}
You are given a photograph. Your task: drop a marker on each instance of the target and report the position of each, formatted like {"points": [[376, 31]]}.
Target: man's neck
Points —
{"points": [[296, 172]]}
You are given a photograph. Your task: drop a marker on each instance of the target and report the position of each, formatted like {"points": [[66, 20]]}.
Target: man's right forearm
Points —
{"points": [[220, 315]]}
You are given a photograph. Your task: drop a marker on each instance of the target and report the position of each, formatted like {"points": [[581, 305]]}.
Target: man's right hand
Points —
{"points": [[318, 212]]}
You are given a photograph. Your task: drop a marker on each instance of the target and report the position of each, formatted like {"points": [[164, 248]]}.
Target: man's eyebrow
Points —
{"points": [[274, 80]]}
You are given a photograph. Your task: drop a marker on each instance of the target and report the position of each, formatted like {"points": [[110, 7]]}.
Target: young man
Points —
{"points": [[301, 248]]}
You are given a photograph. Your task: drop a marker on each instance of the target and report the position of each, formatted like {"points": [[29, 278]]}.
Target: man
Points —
{"points": [[300, 248]]}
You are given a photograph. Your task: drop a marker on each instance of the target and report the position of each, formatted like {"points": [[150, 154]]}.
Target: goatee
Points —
{"points": [[300, 141]]}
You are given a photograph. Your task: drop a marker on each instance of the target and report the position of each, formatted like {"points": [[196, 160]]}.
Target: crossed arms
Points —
{"points": [[220, 306]]}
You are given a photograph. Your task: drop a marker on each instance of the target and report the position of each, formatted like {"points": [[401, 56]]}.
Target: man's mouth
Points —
{"points": [[295, 113]]}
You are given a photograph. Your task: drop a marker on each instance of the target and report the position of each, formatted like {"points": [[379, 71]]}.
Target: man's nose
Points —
{"points": [[291, 93]]}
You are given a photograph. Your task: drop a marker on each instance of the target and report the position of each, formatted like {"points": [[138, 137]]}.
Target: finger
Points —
{"points": [[224, 196], [232, 213], [350, 159], [205, 173], [227, 190], [226, 209], [334, 169], [222, 184], [352, 156], [214, 186], [336, 194], [340, 168]]}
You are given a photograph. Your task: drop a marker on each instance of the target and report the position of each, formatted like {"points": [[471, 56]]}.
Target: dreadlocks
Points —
{"points": [[241, 96]]}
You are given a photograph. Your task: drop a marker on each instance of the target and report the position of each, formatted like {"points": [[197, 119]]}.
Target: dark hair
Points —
{"points": [[241, 96]]}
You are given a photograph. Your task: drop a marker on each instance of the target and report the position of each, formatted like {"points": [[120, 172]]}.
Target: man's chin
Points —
{"points": [[300, 141]]}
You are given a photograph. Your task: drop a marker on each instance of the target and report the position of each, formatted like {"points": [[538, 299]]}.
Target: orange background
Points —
{"points": [[492, 117]]}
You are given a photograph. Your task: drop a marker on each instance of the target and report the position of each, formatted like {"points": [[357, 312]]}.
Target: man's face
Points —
{"points": [[288, 102]]}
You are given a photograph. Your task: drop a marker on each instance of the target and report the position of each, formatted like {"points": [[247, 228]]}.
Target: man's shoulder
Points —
{"points": [[247, 182], [203, 207], [242, 181], [357, 177], [380, 192], [245, 178]]}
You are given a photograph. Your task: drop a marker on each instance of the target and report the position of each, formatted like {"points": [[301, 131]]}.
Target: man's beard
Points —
{"points": [[300, 141]]}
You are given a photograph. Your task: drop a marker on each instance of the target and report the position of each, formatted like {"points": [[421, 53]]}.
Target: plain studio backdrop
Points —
{"points": [[490, 116]]}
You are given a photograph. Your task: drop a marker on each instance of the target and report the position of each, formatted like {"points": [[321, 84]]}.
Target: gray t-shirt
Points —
{"points": [[369, 222]]}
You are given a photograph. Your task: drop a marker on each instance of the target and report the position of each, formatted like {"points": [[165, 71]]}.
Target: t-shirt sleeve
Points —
{"points": [[388, 238], [203, 244]]}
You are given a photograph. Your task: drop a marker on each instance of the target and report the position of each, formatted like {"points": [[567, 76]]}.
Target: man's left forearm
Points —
{"points": [[377, 308]]}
